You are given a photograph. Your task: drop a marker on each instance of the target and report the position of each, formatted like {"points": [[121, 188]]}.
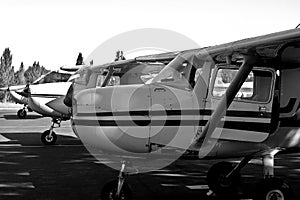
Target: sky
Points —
{"points": [[53, 32]]}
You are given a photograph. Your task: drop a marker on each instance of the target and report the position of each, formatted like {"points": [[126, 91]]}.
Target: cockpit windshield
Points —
{"points": [[115, 74], [134, 73], [53, 77]]}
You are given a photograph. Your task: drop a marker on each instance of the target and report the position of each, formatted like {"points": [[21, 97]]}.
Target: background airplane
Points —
{"points": [[179, 113], [20, 93]]}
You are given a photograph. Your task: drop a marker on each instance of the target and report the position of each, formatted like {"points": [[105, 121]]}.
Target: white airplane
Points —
{"points": [[183, 110], [20, 93], [47, 89], [35, 97]]}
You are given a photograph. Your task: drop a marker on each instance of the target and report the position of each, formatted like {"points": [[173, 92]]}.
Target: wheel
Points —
{"points": [[110, 189], [273, 189], [47, 139], [22, 113], [217, 181]]}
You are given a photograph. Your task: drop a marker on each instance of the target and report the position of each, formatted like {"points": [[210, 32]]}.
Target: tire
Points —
{"points": [[46, 140], [219, 184], [273, 189], [110, 189], [22, 113]]}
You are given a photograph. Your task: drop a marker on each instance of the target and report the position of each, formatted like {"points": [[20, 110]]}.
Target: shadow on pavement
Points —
{"points": [[32, 139], [14, 117]]}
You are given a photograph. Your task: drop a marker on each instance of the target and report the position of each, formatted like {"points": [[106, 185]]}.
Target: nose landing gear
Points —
{"points": [[117, 189], [49, 137], [22, 113]]}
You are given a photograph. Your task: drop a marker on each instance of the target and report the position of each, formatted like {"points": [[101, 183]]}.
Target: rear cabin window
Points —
{"points": [[257, 86]]}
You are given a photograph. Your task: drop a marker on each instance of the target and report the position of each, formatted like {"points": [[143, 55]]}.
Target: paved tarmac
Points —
{"points": [[30, 170]]}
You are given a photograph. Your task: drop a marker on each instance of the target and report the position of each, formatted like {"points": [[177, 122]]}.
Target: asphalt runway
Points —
{"points": [[30, 170]]}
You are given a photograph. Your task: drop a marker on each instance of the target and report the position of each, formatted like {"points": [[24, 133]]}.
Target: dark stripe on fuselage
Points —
{"points": [[46, 95], [251, 114], [246, 126]]}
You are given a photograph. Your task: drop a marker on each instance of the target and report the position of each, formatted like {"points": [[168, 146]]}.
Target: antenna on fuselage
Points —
{"points": [[298, 26]]}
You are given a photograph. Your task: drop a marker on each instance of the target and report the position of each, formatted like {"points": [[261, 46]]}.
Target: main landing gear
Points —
{"points": [[117, 189], [22, 113], [272, 188], [223, 179], [49, 137]]}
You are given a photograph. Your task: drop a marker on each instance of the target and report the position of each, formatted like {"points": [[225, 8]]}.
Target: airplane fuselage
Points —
{"points": [[44, 93], [151, 117]]}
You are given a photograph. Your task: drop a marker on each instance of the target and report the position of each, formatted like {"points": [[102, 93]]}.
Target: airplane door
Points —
{"points": [[249, 116], [172, 119]]}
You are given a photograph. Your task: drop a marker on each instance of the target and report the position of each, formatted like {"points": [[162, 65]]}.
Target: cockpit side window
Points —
{"points": [[257, 86]]}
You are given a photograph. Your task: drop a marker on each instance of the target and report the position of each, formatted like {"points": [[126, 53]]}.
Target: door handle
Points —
{"points": [[159, 89], [262, 109]]}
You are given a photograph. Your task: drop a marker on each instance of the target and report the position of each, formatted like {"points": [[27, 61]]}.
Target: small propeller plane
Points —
{"points": [[35, 97], [235, 100], [20, 93]]}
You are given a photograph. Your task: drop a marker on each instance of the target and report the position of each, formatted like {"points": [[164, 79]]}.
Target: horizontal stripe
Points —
{"points": [[46, 95], [230, 113], [248, 126]]}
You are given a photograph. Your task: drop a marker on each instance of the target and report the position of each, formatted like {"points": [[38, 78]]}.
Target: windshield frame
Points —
{"points": [[182, 70]]}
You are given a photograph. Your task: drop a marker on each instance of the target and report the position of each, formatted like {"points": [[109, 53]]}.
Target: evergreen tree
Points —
{"points": [[35, 71], [79, 60], [19, 75], [5, 68], [11, 76], [6, 71]]}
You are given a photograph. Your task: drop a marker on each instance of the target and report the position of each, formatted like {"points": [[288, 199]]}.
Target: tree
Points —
{"points": [[11, 76], [35, 71], [6, 71], [19, 75], [79, 60], [5, 68]]}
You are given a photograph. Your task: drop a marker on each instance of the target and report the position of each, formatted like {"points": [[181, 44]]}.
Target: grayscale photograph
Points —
{"points": [[149, 100]]}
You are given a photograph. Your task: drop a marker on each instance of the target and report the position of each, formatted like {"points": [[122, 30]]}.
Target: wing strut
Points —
{"points": [[220, 111]]}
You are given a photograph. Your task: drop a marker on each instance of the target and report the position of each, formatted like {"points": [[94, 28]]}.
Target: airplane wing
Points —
{"points": [[71, 68], [13, 88], [165, 57], [158, 57], [266, 47]]}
